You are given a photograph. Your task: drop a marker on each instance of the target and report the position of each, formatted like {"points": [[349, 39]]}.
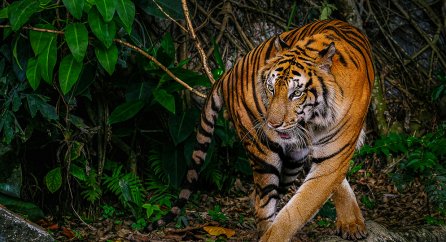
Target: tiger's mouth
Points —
{"points": [[284, 135]]}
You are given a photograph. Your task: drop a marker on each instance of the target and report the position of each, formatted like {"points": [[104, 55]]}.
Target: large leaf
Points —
{"points": [[126, 12], [45, 47], [166, 55], [75, 7], [39, 103], [4, 13], [106, 8], [181, 125], [105, 32], [69, 71], [164, 98], [40, 40], [32, 211], [47, 60], [19, 12], [107, 57], [33, 73], [171, 7], [76, 35], [78, 172], [125, 111], [173, 164], [53, 179]]}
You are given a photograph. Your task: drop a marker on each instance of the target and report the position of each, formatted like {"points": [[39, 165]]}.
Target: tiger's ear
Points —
{"points": [[325, 57], [280, 45]]}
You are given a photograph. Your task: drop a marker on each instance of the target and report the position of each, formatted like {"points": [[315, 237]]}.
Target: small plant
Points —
{"points": [[440, 90], [140, 224], [108, 211], [419, 157], [128, 188], [368, 202], [217, 215]]}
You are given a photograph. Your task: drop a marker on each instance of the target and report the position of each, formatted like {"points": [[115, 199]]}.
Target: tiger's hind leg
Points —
{"points": [[349, 221]]}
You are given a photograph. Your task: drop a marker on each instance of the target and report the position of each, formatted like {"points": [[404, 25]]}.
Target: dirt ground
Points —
{"points": [[379, 199]]}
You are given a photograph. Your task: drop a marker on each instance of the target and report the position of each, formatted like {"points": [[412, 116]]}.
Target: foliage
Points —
{"points": [[217, 215], [419, 157], [128, 188], [79, 100], [440, 90]]}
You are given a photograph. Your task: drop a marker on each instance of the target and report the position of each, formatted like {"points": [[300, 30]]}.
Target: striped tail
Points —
{"points": [[208, 119]]}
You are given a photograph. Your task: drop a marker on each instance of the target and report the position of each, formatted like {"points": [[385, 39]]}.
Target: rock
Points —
{"points": [[14, 228], [378, 233]]}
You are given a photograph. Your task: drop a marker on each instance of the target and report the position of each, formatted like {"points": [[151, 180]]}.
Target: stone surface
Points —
{"points": [[14, 228]]}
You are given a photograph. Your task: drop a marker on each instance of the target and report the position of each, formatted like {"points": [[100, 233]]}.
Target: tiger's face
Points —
{"points": [[298, 93]]}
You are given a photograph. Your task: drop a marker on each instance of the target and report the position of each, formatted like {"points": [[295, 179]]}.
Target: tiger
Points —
{"points": [[298, 100]]}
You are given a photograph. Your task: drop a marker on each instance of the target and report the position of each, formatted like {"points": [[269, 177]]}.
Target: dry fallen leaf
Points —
{"points": [[216, 231]]}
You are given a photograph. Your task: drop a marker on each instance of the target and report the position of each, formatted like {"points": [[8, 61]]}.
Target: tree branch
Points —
{"points": [[197, 42]]}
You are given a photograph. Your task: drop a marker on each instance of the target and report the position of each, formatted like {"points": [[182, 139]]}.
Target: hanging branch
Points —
{"points": [[135, 48], [197, 42]]}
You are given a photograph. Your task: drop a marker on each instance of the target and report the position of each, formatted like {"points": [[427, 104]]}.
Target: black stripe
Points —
{"points": [[266, 218], [203, 132], [263, 191], [322, 159], [202, 146], [272, 197]]}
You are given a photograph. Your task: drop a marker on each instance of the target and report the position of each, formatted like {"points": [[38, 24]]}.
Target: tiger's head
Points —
{"points": [[297, 88]]}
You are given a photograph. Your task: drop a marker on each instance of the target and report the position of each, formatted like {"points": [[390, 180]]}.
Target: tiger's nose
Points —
{"points": [[274, 125]]}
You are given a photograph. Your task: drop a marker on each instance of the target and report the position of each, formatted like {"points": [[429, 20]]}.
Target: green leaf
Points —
{"points": [[125, 111], [53, 179], [173, 164], [78, 172], [76, 35], [7, 120], [32, 211], [105, 32], [126, 12], [69, 71], [75, 7], [40, 40], [107, 57], [39, 103], [171, 7], [4, 12], [47, 60], [20, 11], [106, 8], [165, 99], [33, 73], [166, 55], [181, 125], [45, 47], [217, 55]]}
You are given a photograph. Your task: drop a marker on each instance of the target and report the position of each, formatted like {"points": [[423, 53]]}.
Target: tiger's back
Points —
{"points": [[298, 98]]}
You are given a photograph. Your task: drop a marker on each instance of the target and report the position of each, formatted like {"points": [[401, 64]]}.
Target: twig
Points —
{"points": [[165, 69], [169, 17], [421, 32], [137, 49], [196, 41]]}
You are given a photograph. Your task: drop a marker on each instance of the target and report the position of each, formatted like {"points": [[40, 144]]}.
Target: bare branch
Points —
{"points": [[197, 42]]}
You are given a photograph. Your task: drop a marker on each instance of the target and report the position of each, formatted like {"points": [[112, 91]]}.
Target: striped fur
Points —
{"points": [[298, 98]]}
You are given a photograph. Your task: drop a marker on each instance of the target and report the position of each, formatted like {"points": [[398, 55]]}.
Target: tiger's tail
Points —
{"points": [[205, 131]]}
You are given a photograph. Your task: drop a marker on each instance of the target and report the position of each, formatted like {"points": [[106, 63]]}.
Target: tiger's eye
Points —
{"points": [[270, 87], [297, 94]]}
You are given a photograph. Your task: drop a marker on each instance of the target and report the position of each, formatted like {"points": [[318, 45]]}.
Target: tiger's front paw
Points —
{"points": [[353, 230]]}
